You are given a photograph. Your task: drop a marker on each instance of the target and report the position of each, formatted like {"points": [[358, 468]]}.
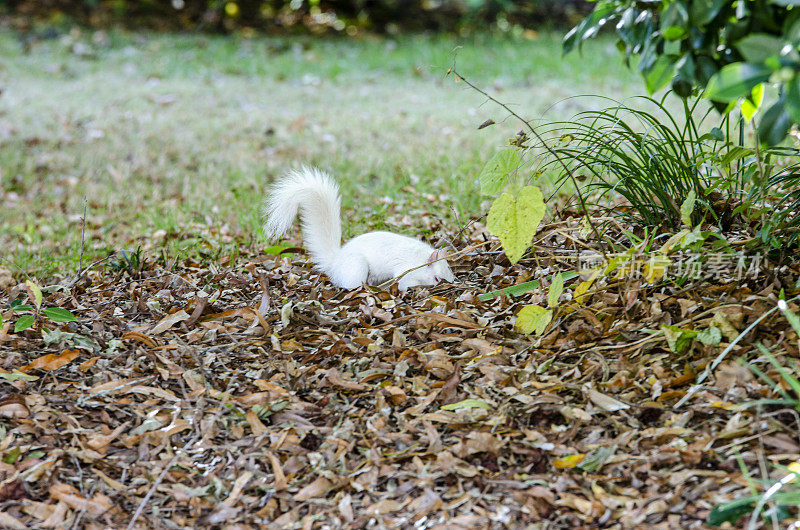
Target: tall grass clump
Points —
{"points": [[651, 158], [654, 157]]}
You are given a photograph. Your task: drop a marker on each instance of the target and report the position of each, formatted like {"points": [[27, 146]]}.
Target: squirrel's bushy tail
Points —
{"points": [[316, 195]]}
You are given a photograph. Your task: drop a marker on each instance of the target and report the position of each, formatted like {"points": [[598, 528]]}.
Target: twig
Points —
{"points": [[83, 234], [453, 255], [541, 140]]}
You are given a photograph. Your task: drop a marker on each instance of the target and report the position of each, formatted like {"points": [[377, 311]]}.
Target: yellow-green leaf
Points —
{"points": [[494, 175], [582, 287], [655, 267], [569, 461], [556, 289], [514, 220], [37, 293], [533, 318], [688, 207], [749, 108], [467, 404]]}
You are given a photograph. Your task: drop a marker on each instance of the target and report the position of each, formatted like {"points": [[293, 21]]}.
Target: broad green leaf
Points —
{"points": [[21, 307], [749, 108], [24, 322], [660, 74], [276, 250], [757, 47], [556, 289], [16, 375], [704, 11], [793, 99], [514, 220], [494, 175], [678, 339], [589, 26], [467, 404], [736, 81], [710, 337], [533, 318], [37, 293], [735, 153], [521, 288], [597, 458], [674, 21], [59, 314], [774, 124], [688, 207], [730, 512]]}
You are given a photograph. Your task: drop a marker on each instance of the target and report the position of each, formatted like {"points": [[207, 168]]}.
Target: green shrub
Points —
{"points": [[730, 48]]}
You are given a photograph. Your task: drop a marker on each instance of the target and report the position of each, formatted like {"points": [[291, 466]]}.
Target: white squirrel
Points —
{"points": [[373, 257]]}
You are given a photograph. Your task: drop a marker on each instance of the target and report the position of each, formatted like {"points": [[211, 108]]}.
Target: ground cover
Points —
{"points": [[209, 382]]}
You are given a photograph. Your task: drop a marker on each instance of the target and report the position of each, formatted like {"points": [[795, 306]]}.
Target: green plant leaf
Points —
{"points": [[750, 106], [674, 21], [757, 47], [793, 99], [710, 337], [556, 289], [494, 175], [677, 338], [522, 288], [467, 404], [597, 458], [59, 314], [533, 318], [736, 81], [16, 375], [730, 512], [660, 74], [37, 293], [775, 124], [514, 220], [704, 11], [688, 207], [24, 322]]}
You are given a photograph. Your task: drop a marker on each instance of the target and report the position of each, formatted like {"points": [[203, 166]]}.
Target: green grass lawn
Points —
{"points": [[173, 139]]}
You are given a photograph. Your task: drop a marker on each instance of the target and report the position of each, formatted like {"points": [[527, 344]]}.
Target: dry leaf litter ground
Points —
{"points": [[252, 393]]}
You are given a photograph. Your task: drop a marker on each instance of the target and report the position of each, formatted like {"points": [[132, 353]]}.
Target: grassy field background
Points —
{"points": [[173, 139]]}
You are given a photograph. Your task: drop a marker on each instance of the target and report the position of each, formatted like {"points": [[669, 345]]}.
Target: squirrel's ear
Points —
{"points": [[436, 254]]}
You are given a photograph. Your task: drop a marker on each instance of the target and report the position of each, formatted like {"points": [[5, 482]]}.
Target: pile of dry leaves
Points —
{"points": [[253, 392]]}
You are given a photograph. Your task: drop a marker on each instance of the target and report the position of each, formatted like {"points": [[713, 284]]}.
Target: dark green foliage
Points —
{"points": [[317, 15], [724, 46]]}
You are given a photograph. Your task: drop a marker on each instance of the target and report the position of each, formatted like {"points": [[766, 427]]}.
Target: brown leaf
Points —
{"points": [[280, 478], [315, 490], [13, 406], [168, 321], [95, 507], [336, 379], [51, 361]]}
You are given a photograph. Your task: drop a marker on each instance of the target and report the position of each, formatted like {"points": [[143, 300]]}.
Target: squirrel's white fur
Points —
{"points": [[373, 257]]}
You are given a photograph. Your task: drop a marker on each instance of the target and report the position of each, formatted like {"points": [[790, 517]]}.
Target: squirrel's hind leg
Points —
{"points": [[349, 271]]}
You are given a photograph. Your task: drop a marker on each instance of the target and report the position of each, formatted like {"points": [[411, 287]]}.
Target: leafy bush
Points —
{"points": [[318, 15], [730, 48]]}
